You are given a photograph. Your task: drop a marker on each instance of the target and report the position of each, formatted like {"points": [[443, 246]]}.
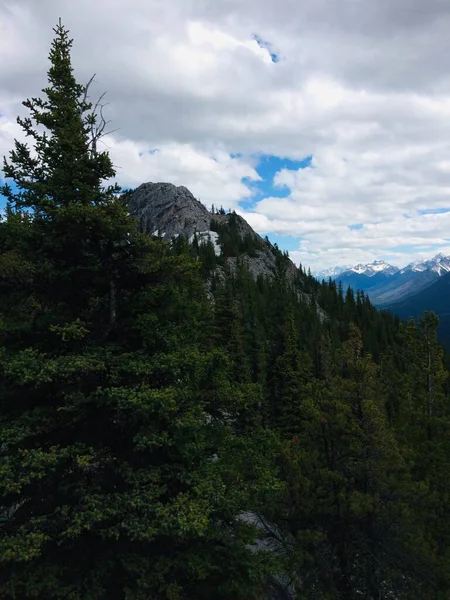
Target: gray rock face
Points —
{"points": [[168, 210], [261, 264], [271, 539]]}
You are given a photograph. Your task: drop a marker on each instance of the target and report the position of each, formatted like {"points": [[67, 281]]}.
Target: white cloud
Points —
{"points": [[364, 87], [214, 178]]}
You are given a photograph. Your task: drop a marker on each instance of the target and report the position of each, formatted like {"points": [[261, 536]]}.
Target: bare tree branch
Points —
{"points": [[86, 89], [97, 121]]}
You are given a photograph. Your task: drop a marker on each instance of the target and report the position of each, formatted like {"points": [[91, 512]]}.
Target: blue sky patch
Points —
{"points": [[285, 242], [356, 226], [403, 249], [268, 46], [267, 167], [433, 211], [151, 151], [2, 198]]}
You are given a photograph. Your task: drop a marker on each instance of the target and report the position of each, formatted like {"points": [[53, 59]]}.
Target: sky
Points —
{"points": [[325, 124]]}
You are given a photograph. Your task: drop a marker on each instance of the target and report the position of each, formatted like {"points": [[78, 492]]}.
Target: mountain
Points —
{"points": [[366, 283], [166, 210], [434, 298], [369, 277], [316, 391], [440, 265], [366, 277], [387, 284], [162, 440], [170, 211], [331, 272], [402, 285], [371, 269]]}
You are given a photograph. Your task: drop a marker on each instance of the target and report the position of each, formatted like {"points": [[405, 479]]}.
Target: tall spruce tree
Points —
{"points": [[121, 474]]}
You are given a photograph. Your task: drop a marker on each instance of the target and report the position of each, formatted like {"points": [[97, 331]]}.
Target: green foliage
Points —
{"points": [[121, 467], [150, 395], [433, 298], [232, 239], [362, 447]]}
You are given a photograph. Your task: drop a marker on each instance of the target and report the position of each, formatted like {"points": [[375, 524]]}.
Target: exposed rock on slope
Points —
{"points": [[169, 211], [166, 210]]}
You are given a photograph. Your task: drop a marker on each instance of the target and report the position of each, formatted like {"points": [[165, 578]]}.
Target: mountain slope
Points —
{"points": [[402, 285], [363, 281], [167, 210], [435, 298], [387, 284], [170, 211], [439, 264], [371, 269]]}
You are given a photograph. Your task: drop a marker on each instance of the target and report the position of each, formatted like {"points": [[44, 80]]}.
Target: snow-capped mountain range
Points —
{"points": [[377, 266], [385, 283], [331, 272], [439, 264]]}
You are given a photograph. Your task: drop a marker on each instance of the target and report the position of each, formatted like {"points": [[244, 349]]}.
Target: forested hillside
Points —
{"points": [[154, 402], [435, 298]]}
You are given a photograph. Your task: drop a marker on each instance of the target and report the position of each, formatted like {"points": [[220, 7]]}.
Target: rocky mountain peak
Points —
{"points": [[371, 269], [168, 210]]}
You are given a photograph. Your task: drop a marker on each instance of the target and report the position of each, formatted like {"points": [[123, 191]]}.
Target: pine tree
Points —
{"points": [[122, 474], [425, 430], [140, 417], [343, 514]]}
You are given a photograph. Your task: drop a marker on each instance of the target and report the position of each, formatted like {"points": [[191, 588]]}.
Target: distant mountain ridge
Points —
{"points": [[331, 272], [371, 269], [387, 284], [439, 264], [434, 298]]}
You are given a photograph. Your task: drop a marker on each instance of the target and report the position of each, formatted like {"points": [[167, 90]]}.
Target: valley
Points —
{"points": [[406, 292]]}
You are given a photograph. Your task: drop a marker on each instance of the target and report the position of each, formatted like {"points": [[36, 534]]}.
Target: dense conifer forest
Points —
{"points": [[146, 416]]}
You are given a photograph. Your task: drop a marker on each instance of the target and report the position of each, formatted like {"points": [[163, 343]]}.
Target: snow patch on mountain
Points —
{"points": [[439, 264], [386, 284], [371, 269], [331, 272], [204, 237]]}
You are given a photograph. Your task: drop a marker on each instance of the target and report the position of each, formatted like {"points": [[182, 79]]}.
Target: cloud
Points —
{"points": [[214, 178], [364, 88]]}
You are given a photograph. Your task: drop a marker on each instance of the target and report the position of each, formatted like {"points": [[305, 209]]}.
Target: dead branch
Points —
{"points": [[86, 89], [97, 122]]}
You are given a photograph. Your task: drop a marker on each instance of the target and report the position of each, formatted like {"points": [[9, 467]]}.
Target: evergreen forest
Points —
{"points": [[173, 429]]}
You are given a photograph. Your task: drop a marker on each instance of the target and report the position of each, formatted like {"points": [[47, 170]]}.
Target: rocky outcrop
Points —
{"points": [[263, 263], [168, 211], [271, 539]]}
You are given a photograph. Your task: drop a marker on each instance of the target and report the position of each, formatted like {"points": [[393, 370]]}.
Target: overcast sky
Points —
{"points": [[325, 123]]}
